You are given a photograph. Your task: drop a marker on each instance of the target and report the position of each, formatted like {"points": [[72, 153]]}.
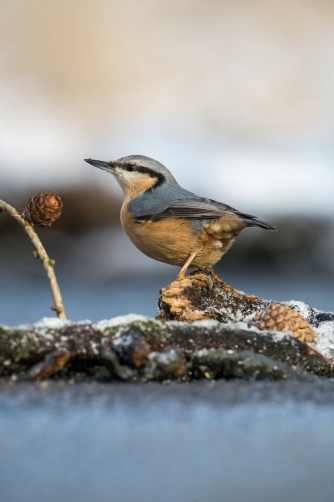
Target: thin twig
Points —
{"points": [[48, 264]]}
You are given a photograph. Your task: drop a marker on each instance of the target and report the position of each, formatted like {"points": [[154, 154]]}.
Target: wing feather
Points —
{"points": [[194, 209], [201, 209]]}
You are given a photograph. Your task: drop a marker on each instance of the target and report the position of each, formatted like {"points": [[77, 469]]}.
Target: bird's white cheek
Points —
{"points": [[121, 177], [125, 176], [133, 183], [127, 180]]}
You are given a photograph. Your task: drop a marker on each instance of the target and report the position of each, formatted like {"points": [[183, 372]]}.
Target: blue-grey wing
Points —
{"points": [[199, 209]]}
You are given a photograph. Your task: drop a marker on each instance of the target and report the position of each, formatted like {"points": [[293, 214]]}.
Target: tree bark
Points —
{"points": [[145, 349], [193, 299]]}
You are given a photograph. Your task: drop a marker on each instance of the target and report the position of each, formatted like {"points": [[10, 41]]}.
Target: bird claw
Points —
{"points": [[203, 278], [199, 277]]}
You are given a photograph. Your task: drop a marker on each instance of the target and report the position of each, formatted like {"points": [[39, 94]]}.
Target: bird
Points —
{"points": [[169, 223]]}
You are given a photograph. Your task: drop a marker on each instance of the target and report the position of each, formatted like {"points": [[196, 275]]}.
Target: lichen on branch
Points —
{"points": [[144, 349]]}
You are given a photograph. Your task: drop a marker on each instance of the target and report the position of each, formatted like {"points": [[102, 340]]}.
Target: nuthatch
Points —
{"points": [[171, 224]]}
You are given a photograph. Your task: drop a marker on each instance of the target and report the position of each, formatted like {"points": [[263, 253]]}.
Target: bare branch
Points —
{"points": [[48, 264]]}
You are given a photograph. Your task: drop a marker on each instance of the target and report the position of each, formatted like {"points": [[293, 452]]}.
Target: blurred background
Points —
{"points": [[236, 98]]}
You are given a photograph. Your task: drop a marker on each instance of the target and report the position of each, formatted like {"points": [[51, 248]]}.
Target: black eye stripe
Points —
{"points": [[145, 170]]}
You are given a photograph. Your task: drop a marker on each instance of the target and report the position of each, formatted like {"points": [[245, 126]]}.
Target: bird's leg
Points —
{"points": [[202, 277], [182, 274]]}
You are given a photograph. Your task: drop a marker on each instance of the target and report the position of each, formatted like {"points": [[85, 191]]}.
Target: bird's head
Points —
{"points": [[136, 173]]}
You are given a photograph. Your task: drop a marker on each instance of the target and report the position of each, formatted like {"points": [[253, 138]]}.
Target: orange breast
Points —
{"points": [[173, 240], [170, 241]]}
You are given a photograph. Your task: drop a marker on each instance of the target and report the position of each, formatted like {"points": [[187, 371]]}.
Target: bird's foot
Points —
{"points": [[212, 274], [198, 276], [180, 276]]}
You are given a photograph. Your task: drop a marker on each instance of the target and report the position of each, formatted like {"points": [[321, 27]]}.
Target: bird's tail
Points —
{"points": [[252, 221]]}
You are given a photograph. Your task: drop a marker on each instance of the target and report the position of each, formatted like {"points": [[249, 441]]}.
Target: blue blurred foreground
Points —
{"points": [[224, 441]]}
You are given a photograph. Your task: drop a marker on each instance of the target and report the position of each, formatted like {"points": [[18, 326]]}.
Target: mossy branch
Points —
{"points": [[144, 350], [48, 264]]}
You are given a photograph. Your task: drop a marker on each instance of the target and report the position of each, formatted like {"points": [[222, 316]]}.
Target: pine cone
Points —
{"points": [[279, 317], [43, 209]]}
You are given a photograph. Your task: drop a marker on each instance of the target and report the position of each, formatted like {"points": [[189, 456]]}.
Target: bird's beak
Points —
{"points": [[106, 166]]}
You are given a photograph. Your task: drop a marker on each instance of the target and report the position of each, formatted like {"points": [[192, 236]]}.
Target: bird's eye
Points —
{"points": [[130, 167]]}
